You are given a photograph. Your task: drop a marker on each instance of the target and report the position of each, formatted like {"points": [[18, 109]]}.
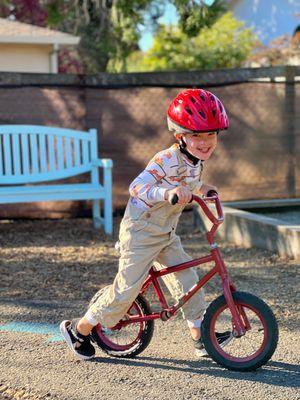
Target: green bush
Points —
{"points": [[226, 44]]}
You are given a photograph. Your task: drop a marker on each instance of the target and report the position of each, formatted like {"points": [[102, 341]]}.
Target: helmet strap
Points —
{"points": [[183, 149]]}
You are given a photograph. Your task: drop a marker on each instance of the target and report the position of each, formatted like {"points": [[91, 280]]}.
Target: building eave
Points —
{"points": [[40, 40]]}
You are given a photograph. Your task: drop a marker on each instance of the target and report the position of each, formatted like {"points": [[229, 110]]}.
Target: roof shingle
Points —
{"points": [[19, 32]]}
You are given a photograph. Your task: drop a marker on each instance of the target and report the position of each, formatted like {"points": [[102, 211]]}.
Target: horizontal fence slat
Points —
{"points": [[152, 79]]}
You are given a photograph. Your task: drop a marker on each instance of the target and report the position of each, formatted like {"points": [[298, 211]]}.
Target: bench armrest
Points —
{"points": [[106, 164], [103, 162]]}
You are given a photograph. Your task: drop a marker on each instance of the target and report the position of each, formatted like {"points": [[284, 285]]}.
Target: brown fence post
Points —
{"points": [[290, 139]]}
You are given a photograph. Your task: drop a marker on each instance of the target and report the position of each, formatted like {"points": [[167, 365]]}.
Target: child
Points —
{"points": [[147, 231]]}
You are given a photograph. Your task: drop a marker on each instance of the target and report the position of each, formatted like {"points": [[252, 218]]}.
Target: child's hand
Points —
{"points": [[184, 195], [206, 188]]}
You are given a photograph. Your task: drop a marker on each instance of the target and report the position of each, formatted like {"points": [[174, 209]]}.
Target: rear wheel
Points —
{"points": [[129, 340], [250, 351]]}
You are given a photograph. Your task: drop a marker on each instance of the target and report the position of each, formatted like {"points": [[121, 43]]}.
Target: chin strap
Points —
{"points": [[182, 148]]}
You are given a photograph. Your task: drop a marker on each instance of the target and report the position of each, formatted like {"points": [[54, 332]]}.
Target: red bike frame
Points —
{"points": [[240, 322]]}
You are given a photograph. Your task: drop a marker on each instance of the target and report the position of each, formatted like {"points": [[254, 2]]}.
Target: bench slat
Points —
{"points": [[43, 153], [68, 152], [68, 187], [16, 154], [25, 154], [85, 151], [34, 154], [44, 177], [51, 152], [7, 154], [1, 160], [77, 152], [51, 192], [43, 130], [60, 152]]}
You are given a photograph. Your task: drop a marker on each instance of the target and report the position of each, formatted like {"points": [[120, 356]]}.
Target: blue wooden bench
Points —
{"points": [[30, 156]]}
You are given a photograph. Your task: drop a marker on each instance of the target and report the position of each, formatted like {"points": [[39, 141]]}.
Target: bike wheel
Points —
{"points": [[250, 351], [129, 340]]}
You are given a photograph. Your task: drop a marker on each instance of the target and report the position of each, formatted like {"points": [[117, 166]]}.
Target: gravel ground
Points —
{"points": [[50, 270]]}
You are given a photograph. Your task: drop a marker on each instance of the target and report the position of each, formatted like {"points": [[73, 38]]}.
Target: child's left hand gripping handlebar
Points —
{"points": [[212, 195]]}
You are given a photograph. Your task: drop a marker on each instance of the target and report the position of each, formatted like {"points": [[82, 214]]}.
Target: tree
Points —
{"points": [[284, 50], [109, 29], [28, 11], [195, 15], [226, 44]]}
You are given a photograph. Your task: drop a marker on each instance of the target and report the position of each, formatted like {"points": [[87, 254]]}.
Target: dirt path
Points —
{"points": [[49, 271]]}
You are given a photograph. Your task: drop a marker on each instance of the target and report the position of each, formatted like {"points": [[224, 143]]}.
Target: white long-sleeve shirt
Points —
{"points": [[160, 175]]}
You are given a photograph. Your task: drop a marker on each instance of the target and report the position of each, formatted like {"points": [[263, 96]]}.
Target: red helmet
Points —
{"points": [[196, 110]]}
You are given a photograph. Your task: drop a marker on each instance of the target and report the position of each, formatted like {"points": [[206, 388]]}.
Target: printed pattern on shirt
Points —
{"points": [[162, 173]]}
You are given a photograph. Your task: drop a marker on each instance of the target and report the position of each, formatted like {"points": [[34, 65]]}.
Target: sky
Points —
{"points": [[169, 17]]}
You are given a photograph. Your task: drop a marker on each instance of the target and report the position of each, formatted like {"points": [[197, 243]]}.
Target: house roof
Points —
{"points": [[232, 3], [19, 32]]}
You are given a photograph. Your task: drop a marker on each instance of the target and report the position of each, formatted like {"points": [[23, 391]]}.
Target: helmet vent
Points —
{"points": [[202, 97], [202, 114], [220, 106], [212, 98], [214, 112], [187, 109], [192, 99]]}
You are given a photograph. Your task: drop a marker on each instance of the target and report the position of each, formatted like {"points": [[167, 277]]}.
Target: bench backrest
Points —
{"points": [[37, 153]]}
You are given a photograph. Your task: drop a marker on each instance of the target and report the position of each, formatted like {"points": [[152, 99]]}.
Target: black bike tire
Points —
{"points": [[271, 324], [145, 338]]}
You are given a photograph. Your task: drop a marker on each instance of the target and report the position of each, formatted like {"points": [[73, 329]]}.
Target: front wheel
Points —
{"points": [[250, 351], [129, 340]]}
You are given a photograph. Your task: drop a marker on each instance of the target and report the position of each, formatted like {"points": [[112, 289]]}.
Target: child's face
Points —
{"points": [[201, 145]]}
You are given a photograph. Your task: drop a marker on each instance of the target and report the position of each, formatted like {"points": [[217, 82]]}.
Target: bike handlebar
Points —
{"points": [[212, 195]]}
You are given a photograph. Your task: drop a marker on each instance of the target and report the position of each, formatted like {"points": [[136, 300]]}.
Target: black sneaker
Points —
{"points": [[79, 344], [223, 339]]}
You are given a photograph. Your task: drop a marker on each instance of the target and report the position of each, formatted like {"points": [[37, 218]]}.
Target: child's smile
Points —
{"points": [[201, 145]]}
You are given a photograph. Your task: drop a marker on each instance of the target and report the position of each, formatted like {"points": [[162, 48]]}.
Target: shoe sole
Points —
{"points": [[66, 336], [203, 353]]}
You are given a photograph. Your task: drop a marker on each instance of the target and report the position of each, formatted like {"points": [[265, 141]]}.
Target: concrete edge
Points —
{"points": [[246, 204], [247, 229]]}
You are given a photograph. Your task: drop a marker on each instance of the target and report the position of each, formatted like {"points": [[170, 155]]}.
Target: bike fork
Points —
{"points": [[239, 325], [240, 322]]}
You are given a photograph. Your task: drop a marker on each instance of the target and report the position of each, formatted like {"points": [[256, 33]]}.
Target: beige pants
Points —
{"points": [[145, 237]]}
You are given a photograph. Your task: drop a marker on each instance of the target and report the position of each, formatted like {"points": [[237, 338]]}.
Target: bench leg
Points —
{"points": [[108, 221], [96, 214]]}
